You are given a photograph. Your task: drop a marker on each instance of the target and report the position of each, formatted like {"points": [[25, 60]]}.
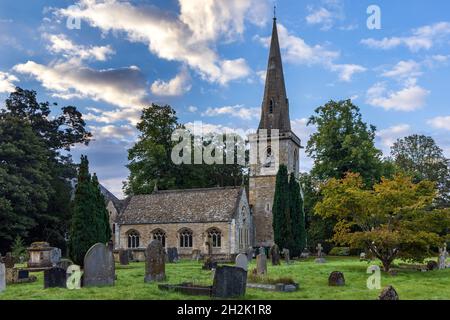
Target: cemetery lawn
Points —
{"points": [[313, 279]]}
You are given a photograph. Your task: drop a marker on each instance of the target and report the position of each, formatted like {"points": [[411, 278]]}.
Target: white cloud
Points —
{"points": [[59, 43], [297, 51], [123, 87], [423, 38], [175, 87], [262, 75], [192, 109], [304, 132], [119, 132], [189, 38], [404, 69], [440, 123], [7, 82], [209, 128], [387, 137], [238, 111], [320, 16], [409, 98]]}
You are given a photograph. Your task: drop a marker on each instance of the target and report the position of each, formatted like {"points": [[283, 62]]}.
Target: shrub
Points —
{"points": [[340, 251]]}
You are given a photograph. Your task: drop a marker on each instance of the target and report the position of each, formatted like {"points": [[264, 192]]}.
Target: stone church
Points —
{"points": [[222, 221]]}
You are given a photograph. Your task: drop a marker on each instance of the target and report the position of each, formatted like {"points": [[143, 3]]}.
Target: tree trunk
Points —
{"points": [[386, 264]]}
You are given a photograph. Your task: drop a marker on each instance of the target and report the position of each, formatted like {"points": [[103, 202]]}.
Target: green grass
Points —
{"points": [[311, 276]]}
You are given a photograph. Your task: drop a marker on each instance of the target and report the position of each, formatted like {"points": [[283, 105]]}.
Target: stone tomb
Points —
{"points": [[242, 261], [261, 263], [229, 282], [275, 255], [155, 262], [124, 257], [55, 278], [40, 255], [99, 269], [172, 255], [2, 277]]}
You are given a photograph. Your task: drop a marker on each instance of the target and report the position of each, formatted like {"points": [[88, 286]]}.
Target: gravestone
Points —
{"points": [[443, 254], [242, 261], [362, 256], [64, 264], [99, 269], [305, 254], [389, 293], [124, 257], [336, 279], [2, 277], [55, 256], [196, 255], [55, 278], [12, 275], [9, 261], [432, 265], [261, 263], [287, 255], [250, 253], [209, 263], [229, 282], [320, 258], [155, 264], [172, 255], [275, 255]]}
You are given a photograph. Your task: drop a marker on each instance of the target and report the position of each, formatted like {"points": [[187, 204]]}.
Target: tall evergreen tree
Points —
{"points": [[102, 215], [83, 232], [282, 224], [297, 216]]}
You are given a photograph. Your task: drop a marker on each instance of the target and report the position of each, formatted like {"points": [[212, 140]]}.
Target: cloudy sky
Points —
{"points": [[207, 59]]}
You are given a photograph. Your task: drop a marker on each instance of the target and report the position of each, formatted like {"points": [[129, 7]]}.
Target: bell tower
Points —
{"points": [[274, 144]]}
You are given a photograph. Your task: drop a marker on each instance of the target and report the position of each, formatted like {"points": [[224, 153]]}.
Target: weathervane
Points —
{"points": [[274, 12]]}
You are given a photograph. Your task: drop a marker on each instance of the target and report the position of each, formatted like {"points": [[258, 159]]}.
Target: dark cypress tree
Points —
{"points": [[297, 216], [282, 224], [102, 215], [83, 232]]}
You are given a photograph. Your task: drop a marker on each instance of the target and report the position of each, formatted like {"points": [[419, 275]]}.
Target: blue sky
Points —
{"points": [[207, 59]]}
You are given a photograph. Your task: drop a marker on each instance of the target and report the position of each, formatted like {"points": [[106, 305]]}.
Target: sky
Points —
{"points": [[207, 59]]}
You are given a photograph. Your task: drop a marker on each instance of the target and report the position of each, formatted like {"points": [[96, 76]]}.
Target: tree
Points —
{"points": [[343, 143], [420, 157], [85, 228], [282, 223], [24, 179], [391, 220], [297, 216], [102, 214]]}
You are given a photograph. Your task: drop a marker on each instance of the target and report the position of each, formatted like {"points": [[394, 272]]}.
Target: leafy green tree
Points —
{"points": [[282, 222], [420, 157], [24, 179], [392, 220], [90, 222], [343, 143], [297, 216]]}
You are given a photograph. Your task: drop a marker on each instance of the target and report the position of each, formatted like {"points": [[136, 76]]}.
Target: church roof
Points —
{"points": [[183, 206]]}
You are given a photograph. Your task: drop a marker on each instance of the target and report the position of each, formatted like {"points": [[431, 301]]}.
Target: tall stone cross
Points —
{"points": [[319, 250]]}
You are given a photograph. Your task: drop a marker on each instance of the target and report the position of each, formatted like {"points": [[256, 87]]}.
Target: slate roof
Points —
{"points": [[183, 206]]}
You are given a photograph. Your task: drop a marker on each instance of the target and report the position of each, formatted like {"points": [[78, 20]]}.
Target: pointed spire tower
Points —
{"points": [[274, 115], [275, 105]]}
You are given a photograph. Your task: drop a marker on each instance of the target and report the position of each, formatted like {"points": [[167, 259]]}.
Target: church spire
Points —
{"points": [[275, 105]]}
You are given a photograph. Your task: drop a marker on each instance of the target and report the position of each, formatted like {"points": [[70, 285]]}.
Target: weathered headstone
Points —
{"points": [[64, 264], [242, 261], [336, 279], [287, 255], [12, 275], [261, 264], [320, 258], [124, 257], [305, 254], [172, 255], [250, 253], [155, 264], [55, 256], [229, 282], [55, 278], [362, 256], [209, 263], [443, 254], [99, 269], [389, 293], [2, 277], [275, 255], [9, 261], [196, 254]]}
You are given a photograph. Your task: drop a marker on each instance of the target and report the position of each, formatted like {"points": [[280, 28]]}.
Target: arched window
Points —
{"points": [[133, 239], [160, 235], [271, 106], [185, 238], [215, 238]]}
